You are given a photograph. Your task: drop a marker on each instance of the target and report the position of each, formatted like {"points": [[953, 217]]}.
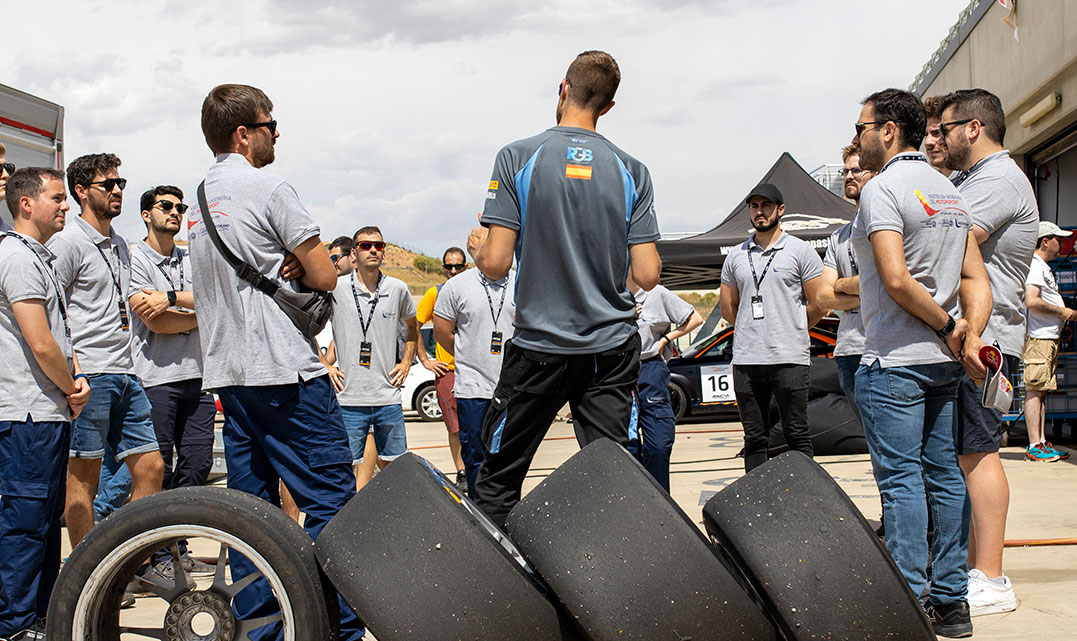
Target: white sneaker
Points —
{"points": [[988, 597]]}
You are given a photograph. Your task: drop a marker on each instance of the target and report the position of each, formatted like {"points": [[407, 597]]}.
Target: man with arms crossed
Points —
{"points": [[1046, 314], [1005, 220], [917, 256], [94, 266], [770, 318], [41, 390], [367, 311], [575, 334], [282, 420]]}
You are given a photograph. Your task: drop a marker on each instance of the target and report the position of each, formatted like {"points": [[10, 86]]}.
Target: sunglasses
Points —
{"points": [[366, 245], [9, 167], [943, 126], [861, 126], [271, 125], [454, 268], [335, 258], [109, 183], [167, 205]]}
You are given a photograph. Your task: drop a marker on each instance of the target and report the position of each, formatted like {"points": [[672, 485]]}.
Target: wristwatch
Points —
{"points": [[947, 328], [171, 297]]}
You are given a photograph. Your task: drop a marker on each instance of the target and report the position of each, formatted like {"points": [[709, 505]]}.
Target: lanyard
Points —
{"points": [[490, 300], [759, 279], [852, 259], [169, 278], [111, 272], [907, 156], [365, 324], [55, 284]]}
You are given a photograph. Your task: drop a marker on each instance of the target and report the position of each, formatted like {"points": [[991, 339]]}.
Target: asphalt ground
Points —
{"points": [[1043, 513]]}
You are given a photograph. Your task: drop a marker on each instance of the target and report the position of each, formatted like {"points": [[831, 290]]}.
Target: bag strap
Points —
{"points": [[242, 269]]}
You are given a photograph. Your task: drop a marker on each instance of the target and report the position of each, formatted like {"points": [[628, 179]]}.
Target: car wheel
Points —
{"points": [[426, 403], [678, 400], [86, 600]]}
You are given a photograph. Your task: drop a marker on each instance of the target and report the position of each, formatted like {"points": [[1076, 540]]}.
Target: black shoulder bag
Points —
{"points": [[308, 310]]}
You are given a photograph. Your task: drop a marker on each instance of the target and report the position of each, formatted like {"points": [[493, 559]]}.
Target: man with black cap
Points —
{"points": [[770, 287]]}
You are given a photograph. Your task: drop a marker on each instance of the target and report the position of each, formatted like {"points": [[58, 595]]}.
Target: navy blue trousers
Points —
{"points": [[469, 412], [657, 429]]}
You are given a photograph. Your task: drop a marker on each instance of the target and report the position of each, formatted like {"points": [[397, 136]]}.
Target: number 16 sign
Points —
{"points": [[716, 382]]}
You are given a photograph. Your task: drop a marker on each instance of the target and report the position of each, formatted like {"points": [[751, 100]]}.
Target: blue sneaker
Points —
{"points": [[1062, 454], [1042, 452]]}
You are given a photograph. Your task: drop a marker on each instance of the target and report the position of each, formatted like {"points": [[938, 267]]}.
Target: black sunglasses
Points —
{"points": [[167, 205], [109, 183], [861, 126], [9, 167], [454, 268], [335, 257], [271, 125], [365, 245], [943, 126]]}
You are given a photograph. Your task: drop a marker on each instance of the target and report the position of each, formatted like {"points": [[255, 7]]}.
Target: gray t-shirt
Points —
{"points": [[781, 336], [25, 390], [369, 386], [246, 338], [841, 258], [1003, 204], [95, 272], [913, 199], [577, 203], [661, 310], [163, 358], [463, 300]]}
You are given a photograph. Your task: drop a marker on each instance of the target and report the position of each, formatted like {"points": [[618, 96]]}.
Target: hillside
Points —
{"points": [[399, 263]]}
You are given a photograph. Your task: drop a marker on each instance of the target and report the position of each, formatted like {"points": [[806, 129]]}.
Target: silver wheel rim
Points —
{"points": [[429, 404], [93, 593]]}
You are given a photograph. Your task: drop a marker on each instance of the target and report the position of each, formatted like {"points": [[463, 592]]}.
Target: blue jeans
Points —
{"points": [[657, 428], [116, 418], [387, 423], [847, 366], [911, 429], [113, 487], [469, 413]]}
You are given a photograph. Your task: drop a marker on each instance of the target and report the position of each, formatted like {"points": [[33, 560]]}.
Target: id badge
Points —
{"points": [[125, 321], [495, 343], [757, 307], [364, 354]]}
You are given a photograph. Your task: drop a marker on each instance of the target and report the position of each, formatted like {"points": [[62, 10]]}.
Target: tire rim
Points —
{"points": [[429, 404], [184, 603]]}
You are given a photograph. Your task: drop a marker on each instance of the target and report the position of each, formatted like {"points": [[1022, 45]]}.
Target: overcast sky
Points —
{"points": [[391, 112]]}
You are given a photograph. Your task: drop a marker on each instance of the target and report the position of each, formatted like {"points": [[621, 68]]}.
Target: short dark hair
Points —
{"points": [[849, 150], [28, 181], [345, 244], [228, 107], [1039, 241], [980, 104], [150, 196], [931, 107], [594, 77], [82, 170], [902, 108], [369, 229], [452, 250]]}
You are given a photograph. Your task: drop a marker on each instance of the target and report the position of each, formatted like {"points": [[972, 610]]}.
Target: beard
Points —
{"points": [[102, 207], [161, 227], [765, 226], [852, 190], [262, 155], [872, 155], [957, 156]]}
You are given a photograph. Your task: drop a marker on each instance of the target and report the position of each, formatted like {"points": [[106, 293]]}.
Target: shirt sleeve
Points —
{"points": [[140, 274], [22, 279], [1035, 275], [407, 304], [677, 309], [729, 274], [811, 266], [502, 202], [290, 221], [66, 264], [984, 197], [643, 222], [445, 306], [879, 209], [425, 310], [830, 259]]}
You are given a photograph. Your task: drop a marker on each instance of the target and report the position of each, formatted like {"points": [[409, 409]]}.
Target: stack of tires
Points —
{"points": [[596, 551]]}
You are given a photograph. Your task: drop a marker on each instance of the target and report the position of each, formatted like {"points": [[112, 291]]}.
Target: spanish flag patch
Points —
{"points": [[493, 185], [579, 172]]}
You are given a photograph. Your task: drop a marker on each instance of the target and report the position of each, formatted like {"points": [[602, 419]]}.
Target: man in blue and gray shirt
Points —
{"points": [[576, 210]]}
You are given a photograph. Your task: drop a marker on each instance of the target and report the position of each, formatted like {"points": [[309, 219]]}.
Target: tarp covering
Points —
{"points": [[812, 212]]}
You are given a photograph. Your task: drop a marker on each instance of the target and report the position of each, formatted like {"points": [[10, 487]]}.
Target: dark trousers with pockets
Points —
{"points": [[657, 429], [533, 386], [292, 433], [33, 481], [755, 386], [183, 419]]}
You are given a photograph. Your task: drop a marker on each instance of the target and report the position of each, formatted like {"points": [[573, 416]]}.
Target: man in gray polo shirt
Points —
{"points": [[472, 316], [368, 308], [770, 288], [94, 266], [1005, 223], [915, 227], [588, 211], [41, 389]]}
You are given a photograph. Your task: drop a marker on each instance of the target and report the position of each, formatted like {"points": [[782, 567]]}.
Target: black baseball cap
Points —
{"points": [[768, 191]]}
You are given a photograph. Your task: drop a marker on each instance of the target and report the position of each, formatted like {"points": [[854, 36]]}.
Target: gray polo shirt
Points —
{"points": [[577, 203], [163, 358], [841, 258], [662, 309], [913, 199], [781, 336], [246, 338], [463, 300], [25, 390], [90, 267], [369, 386], [1003, 204]]}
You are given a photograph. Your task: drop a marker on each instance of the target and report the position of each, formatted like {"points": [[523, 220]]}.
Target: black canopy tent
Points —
{"points": [[811, 212]]}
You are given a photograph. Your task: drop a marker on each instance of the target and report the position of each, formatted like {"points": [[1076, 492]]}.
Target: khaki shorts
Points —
{"points": [[1040, 357]]}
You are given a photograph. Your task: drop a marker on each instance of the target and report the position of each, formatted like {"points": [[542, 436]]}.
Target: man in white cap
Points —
{"points": [[1046, 313]]}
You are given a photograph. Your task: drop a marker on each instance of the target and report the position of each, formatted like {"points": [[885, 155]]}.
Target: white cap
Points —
{"points": [[1048, 228]]}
